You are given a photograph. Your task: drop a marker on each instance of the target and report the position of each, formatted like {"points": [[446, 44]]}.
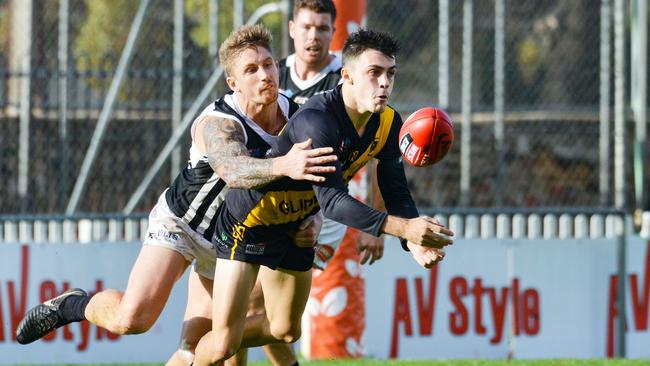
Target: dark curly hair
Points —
{"points": [[365, 39]]}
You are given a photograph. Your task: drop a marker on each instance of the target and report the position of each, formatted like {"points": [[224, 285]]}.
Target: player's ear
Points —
{"points": [[346, 76], [292, 25], [232, 83]]}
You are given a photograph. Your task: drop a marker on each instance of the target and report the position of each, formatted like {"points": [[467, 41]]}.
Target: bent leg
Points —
{"points": [[137, 308], [197, 320], [233, 288], [280, 354], [285, 297]]}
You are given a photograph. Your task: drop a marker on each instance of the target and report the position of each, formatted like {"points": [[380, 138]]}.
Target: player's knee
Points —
{"points": [[286, 332]]}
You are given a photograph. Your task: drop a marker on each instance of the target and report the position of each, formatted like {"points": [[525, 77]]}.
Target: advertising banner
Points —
{"points": [[30, 274], [489, 298], [507, 298]]}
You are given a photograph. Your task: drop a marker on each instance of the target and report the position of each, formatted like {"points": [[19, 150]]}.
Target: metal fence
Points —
{"points": [[531, 86]]}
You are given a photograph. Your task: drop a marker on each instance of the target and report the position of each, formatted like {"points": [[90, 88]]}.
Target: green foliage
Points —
{"points": [[366, 362], [103, 34], [4, 25], [197, 16]]}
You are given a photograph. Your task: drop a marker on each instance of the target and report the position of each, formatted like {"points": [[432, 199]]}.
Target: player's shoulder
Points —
{"points": [[222, 108], [333, 74], [323, 101], [316, 110]]}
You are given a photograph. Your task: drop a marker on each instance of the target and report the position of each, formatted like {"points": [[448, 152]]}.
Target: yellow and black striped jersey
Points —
{"points": [[269, 213]]}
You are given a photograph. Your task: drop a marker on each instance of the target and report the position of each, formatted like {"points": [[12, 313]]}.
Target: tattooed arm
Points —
{"points": [[222, 141]]}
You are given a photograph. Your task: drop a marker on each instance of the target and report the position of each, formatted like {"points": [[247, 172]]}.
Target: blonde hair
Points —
{"points": [[241, 39]]}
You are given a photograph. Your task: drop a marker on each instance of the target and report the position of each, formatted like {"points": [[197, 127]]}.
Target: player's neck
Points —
{"points": [[306, 71], [266, 116], [359, 118]]}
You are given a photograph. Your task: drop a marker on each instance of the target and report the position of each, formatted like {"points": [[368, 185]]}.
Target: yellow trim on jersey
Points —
{"points": [[282, 129], [282, 207], [385, 122]]}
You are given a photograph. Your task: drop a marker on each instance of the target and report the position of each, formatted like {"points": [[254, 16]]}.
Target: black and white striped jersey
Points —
{"points": [[301, 90], [197, 191]]}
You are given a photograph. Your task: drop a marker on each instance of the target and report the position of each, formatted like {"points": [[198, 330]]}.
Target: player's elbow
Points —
{"points": [[328, 208]]}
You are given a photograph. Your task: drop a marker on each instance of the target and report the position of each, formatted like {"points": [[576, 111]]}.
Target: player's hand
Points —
{"points": [[426, 257], [303, 163], [428, 232], [370, 248], [307, 233]]}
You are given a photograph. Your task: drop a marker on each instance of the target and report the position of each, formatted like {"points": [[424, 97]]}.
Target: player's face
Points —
{"points": [[255, 76], [312, 33], [372, 76]]}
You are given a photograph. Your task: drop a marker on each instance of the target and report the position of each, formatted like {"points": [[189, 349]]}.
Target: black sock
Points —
{"points": [[73, 307]]}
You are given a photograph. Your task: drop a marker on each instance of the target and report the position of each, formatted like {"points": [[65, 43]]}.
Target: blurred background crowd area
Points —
{"points": [[552, 81]]}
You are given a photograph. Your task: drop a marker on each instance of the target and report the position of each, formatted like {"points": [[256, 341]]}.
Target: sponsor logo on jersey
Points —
{"points": [[344, 144], [300, 205], [255, 249], [164, 236], [282, 207], [301, 100], [354, 155], [373, 145]]}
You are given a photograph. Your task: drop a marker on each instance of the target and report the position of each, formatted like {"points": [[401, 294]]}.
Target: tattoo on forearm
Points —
{"points": [[228, 156]]}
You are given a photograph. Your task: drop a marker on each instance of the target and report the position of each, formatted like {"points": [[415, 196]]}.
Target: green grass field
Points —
{"points": [[440, 363]]}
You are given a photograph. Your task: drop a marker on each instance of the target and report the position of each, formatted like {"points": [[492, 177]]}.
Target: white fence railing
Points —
{"points": [[469, 226]]}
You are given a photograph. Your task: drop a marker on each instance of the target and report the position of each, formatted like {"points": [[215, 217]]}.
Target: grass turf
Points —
{"points": [[612, 362]]}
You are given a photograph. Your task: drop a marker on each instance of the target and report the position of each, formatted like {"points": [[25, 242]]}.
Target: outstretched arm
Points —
{"points": [[222, 140]]}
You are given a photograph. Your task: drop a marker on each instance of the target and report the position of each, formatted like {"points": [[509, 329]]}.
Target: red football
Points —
{"points": [[426, 136]]}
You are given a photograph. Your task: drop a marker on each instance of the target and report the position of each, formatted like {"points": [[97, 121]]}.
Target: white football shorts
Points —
{"points": [[168, 231]]}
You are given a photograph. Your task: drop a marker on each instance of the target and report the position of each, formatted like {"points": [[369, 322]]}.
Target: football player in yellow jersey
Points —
{"points": [[252, 232]]}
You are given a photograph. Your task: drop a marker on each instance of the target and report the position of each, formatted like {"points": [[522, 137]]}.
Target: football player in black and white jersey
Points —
{"points": [[230, 140], [311, 69]]}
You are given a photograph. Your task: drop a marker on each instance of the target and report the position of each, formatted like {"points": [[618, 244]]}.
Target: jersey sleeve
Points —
{"points": [[332, 195], [392, 180]]}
